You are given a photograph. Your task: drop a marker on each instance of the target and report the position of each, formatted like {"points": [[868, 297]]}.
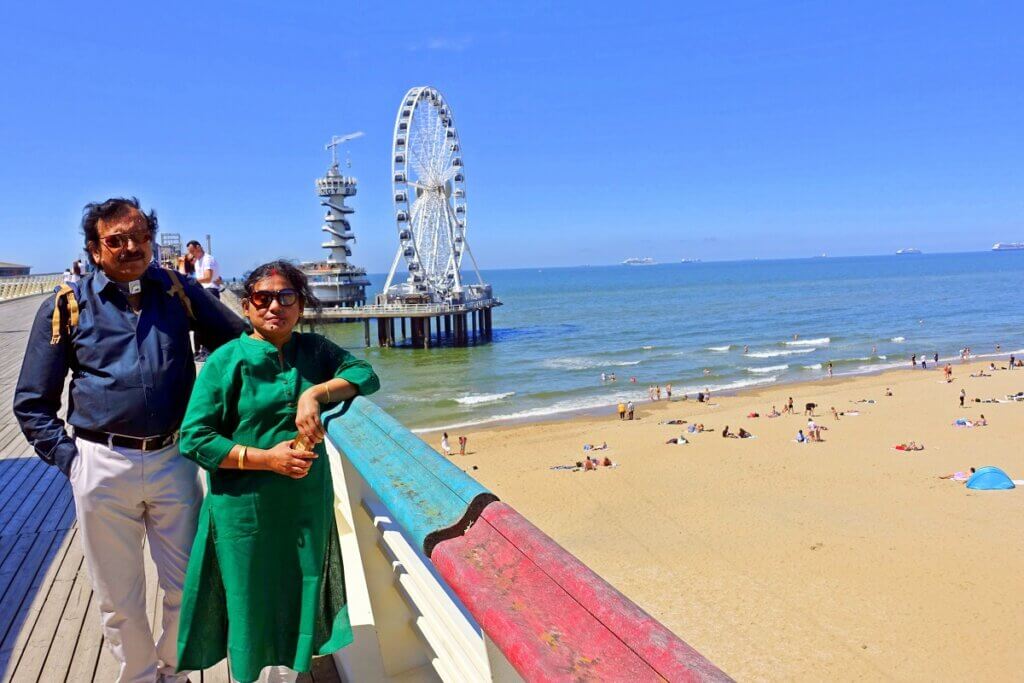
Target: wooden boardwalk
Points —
{"points": [[49, 624]]}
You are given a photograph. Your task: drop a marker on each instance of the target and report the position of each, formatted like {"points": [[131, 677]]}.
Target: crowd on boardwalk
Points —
{"points": [[251, 569]]}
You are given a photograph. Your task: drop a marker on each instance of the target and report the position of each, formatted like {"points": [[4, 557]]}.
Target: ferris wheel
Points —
{"points": [[429, 192]]}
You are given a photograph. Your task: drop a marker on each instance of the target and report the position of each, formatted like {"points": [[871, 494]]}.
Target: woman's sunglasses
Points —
{"points": [[262, 298], [121, 241]]}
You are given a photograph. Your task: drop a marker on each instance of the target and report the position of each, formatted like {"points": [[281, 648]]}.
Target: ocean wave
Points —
{"points": [[816, 366], [776, 354], [881, 357], [476, 399], [898, 340], [770, 368], [720, 349], [821, 341], [646, 348], [584, 363], [592, 403]]}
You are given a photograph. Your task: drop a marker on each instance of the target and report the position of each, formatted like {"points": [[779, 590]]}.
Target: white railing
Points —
{"points": [[405, 623], [18, 286]]}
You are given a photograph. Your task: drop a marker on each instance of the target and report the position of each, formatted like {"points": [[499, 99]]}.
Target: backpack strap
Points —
{"points": [[67, 294], [178, 291]]}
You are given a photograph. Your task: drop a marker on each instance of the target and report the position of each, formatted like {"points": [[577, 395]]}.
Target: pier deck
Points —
{"points": [[49, 624]]}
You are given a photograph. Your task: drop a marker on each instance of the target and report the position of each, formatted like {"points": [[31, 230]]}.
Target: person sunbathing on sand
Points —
{"points": [[726, 434], [672, 422], [744, 434], [774, 412], [680, 440], [959, 475], [912, 446]]}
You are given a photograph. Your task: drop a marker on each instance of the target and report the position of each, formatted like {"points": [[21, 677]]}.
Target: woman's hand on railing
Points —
{"points": [[307, 416], [288, 461]]}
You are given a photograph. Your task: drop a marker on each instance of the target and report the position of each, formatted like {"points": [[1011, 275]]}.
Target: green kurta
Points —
{"points": [[265, 584]]}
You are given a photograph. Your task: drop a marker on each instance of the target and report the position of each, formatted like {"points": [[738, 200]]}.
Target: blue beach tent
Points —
{"points": [[989, 479]]}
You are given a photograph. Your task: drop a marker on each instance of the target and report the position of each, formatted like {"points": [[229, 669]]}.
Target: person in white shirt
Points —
{"points": [[207, 273], [207, 269]]}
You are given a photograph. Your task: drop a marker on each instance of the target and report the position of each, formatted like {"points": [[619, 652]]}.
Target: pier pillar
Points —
{"points": [[417, 331], [404, 335], [366, 331], [448, 325], [391, 331]]}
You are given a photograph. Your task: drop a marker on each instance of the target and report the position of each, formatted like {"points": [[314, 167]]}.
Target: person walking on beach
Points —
{"points": [[913, 360], [123, 335], [963, 397], [265, 585], [1012, 361], [657, 393], [462, 444], [629, 409], [668, 392], [936, 358], [622, 411], [830, 368], [445, 446]]}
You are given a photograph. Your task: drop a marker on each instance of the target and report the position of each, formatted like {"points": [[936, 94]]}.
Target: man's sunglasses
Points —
{"points": [[262, 298], [120, 241]]}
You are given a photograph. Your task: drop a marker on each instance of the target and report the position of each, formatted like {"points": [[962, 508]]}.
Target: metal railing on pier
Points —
{"points": [[17, 286]]}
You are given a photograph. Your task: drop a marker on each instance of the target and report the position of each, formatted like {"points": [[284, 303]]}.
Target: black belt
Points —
{"points": [[149, 443]]}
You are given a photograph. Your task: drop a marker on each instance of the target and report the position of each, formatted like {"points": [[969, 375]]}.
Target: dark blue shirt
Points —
{"points": [[131, 373]]}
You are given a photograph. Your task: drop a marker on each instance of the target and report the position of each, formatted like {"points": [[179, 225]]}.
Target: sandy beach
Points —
{"points": [[844, 559]]}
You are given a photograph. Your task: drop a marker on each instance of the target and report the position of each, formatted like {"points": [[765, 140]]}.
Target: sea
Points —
{"points": [[725, 326]]}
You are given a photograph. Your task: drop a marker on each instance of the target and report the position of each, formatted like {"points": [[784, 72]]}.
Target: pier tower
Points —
{"points": [[336, 282]]}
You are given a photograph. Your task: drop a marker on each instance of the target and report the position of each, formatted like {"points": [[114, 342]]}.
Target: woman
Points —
{"points": [[265, 585]]}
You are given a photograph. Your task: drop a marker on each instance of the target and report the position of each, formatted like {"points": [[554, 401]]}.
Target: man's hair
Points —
{"points": [[193, 243], [94, 212]]}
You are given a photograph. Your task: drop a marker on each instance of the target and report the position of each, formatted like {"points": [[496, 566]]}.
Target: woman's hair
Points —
{"points": [[289, 272]]}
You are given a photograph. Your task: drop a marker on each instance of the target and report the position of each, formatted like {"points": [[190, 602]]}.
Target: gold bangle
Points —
{"points": [[327, 388], [241, 457]]}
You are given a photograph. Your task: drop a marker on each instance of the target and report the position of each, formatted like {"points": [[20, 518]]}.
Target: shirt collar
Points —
{"points": [[102, 281]]}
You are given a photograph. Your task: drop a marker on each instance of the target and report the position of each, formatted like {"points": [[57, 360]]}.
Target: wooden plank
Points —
{"points": [[12, 563], [27, 506], [28, 651], [56, 512], [77, 642], [47, 502], [14, 607], [324, 670], [20, 486]]}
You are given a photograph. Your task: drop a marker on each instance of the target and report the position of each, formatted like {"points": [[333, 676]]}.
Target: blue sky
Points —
{"points": [[591, 131]]}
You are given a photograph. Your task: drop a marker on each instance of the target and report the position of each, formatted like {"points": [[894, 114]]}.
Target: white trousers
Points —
{"points": [[123, 496]]}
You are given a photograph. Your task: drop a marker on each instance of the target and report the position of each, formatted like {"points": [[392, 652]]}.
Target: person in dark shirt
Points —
{"points": [[124, 338]]}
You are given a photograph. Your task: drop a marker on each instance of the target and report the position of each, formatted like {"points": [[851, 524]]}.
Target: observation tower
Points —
{"points": [[336, 282]]}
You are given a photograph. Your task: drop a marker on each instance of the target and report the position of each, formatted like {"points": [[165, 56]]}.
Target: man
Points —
{"points": [[207, 273], [207, 268], [122, 333]]}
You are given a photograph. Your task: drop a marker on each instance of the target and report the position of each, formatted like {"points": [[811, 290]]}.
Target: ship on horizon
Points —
{"points": [[1008, 246], [639, 261], [908, 250]]}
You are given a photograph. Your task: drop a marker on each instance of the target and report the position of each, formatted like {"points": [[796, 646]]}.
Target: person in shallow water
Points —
{"points": [[265, 584]]}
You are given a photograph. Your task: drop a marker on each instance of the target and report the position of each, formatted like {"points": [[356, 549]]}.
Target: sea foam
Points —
{"points": [[776, 354], [476, 399], [770, 368], [720, 349], [821, 341]]}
